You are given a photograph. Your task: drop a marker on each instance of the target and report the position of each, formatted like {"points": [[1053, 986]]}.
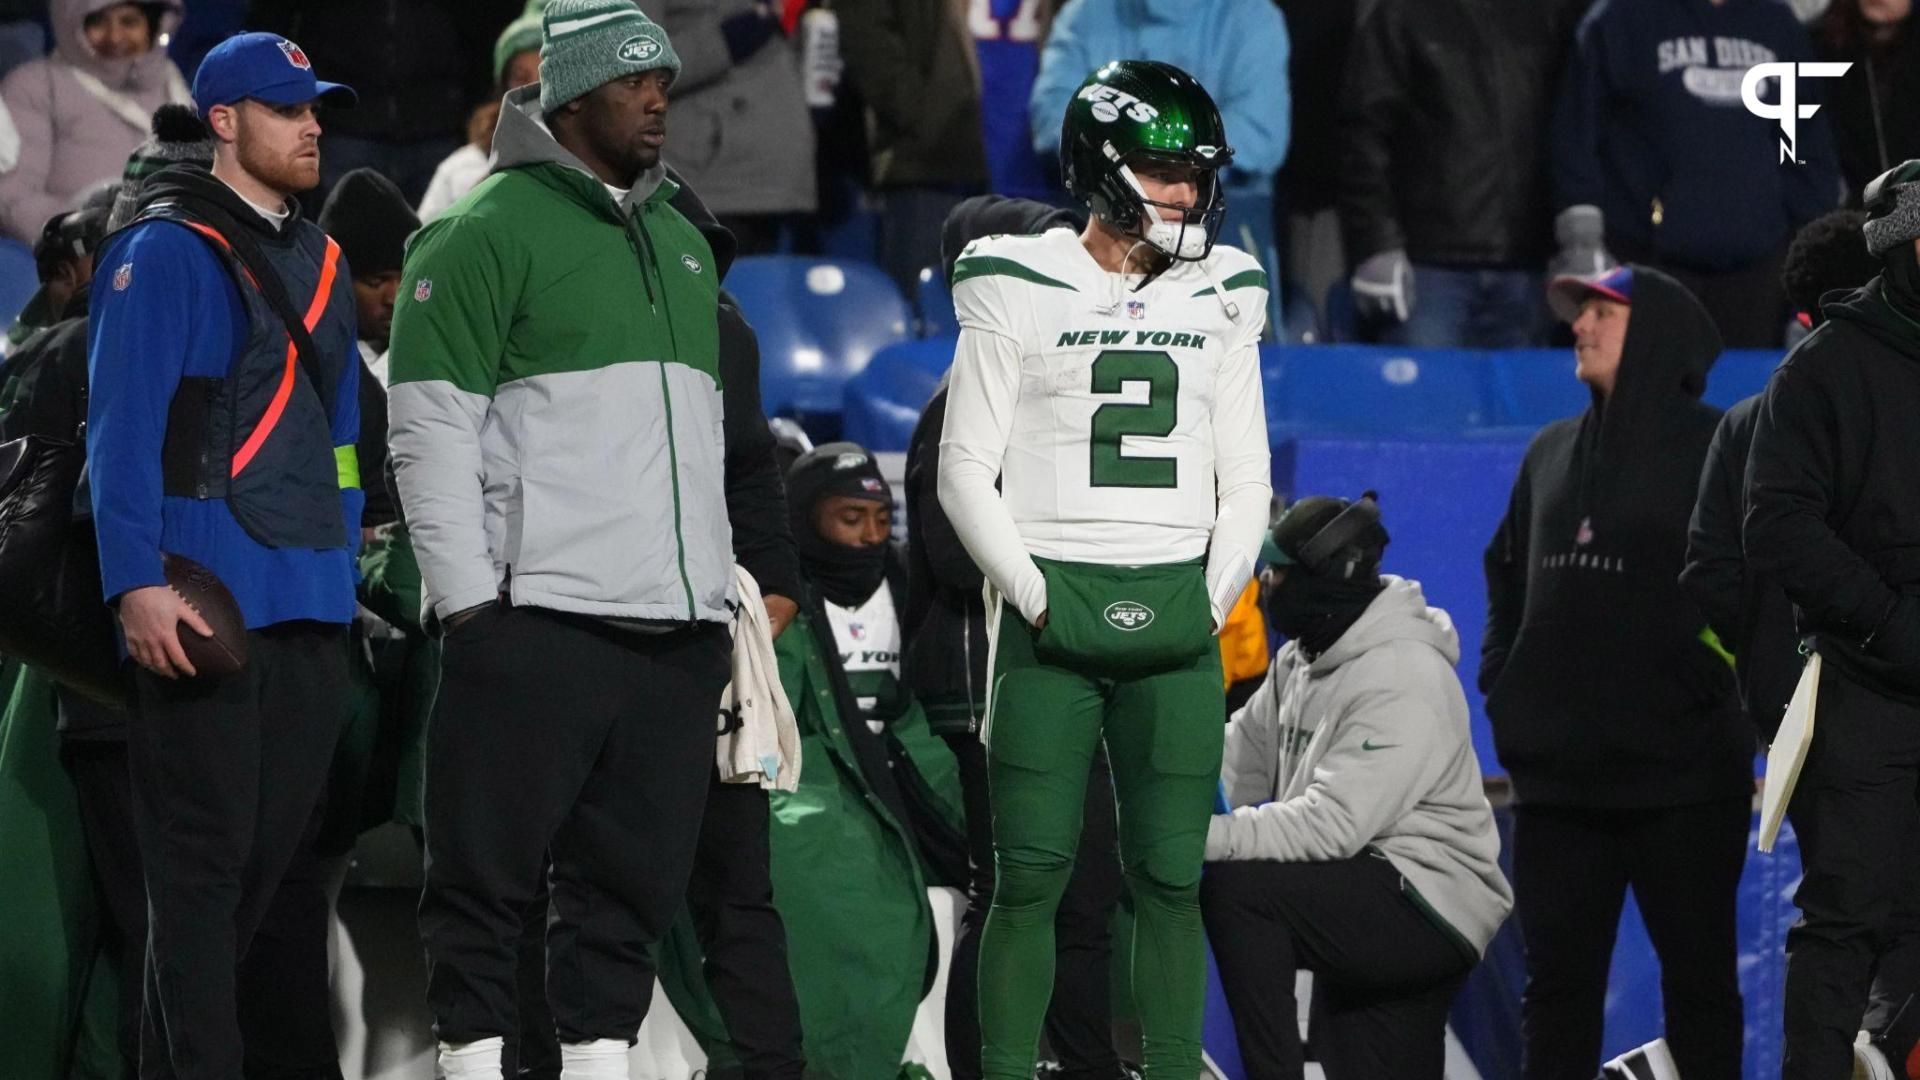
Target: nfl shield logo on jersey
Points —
{"points": [[1136, 309], [123, 277], [422, 289]]}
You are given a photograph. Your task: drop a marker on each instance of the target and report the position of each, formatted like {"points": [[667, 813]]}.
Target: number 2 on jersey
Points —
{"points": [[1112, 370]]}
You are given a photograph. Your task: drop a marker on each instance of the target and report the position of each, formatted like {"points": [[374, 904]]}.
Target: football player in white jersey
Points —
{"points": [[1105, 462]]}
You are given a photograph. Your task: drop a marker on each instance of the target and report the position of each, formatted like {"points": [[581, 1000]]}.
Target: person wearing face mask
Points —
{"points": [[1613, 705], [842, 520], [83, 108], [1359, 843], [876, 816]]}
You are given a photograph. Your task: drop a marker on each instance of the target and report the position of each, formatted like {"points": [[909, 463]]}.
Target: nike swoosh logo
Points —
{"points": [[1368, 745]]}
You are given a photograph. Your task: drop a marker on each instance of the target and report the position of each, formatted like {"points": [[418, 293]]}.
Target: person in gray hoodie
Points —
{"points": [[1355, 840]]}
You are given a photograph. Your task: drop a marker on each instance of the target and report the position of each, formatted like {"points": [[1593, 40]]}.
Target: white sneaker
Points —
{"points": [[1868, 1062], [1650, 1062]]}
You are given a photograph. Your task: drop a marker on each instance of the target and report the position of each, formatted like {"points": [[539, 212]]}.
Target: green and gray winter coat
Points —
{"points": [[555, 398]]}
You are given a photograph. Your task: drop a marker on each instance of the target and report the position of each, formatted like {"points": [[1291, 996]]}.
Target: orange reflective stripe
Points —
{"points": [[210, 233], [329, 267]]}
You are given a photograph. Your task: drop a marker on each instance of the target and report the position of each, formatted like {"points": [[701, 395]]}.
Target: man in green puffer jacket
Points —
{"points": [[556, 433]]}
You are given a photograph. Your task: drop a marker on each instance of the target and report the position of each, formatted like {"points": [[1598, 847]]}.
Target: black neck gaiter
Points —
{"points": [[1315, 611], [844, 575]]}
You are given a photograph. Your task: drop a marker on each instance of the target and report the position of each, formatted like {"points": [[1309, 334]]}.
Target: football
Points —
{"points": [[226, 651]]}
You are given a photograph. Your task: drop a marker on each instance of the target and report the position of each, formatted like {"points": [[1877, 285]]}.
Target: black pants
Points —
{"points": [[731, 900], [1855, 813], [1571, 870], [228, 776], [104, 789], [731, 897], [1079, 1026], [285, 999], [556, 734], [286, 989], [1385, 974]]}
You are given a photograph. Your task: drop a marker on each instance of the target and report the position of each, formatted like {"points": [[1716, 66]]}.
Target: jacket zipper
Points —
{"points": [[648, 262]]}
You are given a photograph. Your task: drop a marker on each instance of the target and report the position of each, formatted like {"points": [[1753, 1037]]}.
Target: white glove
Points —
{"points": [[1383, 287], [1581, 233]]}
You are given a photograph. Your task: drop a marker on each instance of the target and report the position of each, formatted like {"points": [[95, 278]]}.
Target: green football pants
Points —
{"points": [[1163, 733]]}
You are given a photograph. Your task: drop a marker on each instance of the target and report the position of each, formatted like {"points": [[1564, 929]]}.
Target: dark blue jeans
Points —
{"points": [[1471, 309]]}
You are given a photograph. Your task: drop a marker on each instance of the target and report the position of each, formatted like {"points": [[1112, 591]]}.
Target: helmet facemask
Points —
{"points": [[1191, 231]]}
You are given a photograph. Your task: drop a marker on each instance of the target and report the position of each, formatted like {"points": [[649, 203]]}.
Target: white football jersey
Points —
{"points": [[1123, 398]]}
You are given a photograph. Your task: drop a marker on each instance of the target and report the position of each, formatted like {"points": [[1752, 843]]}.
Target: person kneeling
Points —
{"points": [[1359, 843]]}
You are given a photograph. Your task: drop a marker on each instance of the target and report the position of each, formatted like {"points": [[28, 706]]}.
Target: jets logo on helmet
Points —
{"points": [[1109, 104], [1174, 122]]}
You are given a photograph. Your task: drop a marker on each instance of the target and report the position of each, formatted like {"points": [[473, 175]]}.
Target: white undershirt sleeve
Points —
{"points": [[981, 395], [1242, 479]]}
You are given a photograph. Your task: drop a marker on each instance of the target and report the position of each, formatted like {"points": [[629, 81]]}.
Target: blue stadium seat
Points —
{"points": [[934, 302], [883, 402], [18, 279], [1740, 373], [819, 322], [1533, 387], [1368, 389]]}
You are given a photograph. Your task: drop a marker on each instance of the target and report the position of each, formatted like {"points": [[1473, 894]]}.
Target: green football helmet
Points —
{"points": [[1134, 111]]}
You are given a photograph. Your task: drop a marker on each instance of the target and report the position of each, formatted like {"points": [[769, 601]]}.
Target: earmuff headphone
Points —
{"points": [[1349, 544]]}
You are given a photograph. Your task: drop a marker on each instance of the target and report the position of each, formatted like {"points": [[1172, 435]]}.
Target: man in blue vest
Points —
{"points": [[221, 427]]}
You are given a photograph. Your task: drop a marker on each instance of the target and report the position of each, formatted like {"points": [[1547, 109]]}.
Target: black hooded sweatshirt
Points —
{"points": [[1833, 482], [1601, 689]]}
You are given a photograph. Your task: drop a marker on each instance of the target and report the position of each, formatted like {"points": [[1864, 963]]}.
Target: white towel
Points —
{"points": [[759, 738]]}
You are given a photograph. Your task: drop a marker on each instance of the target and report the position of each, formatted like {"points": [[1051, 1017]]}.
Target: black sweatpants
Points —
{"points": [[1384, 973], [228, 777], [1571, 870], [1855, 814], [559, 734], [1079, 1025], [730, 897]]}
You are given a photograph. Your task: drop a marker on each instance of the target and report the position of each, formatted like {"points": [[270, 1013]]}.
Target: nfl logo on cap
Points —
{"points": [[295, 55]]}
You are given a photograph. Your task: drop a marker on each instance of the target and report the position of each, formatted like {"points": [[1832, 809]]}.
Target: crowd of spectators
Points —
{"points": [[1411, 171]]}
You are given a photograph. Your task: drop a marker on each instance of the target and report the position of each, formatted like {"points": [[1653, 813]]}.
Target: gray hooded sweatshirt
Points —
{"points": [[1367, 746]]}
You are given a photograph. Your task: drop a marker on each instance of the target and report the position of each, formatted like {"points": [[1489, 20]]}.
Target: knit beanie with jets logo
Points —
{"points": [[586, 44]]}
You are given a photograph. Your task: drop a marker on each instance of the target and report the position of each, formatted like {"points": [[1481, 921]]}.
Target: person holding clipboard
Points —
{"points": [[1833, 516]]}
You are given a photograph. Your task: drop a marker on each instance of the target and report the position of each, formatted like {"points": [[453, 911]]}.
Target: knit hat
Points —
{"points": [[179, 137], [586, 44], [520, 35], [1893, 208], [370, 219]]}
